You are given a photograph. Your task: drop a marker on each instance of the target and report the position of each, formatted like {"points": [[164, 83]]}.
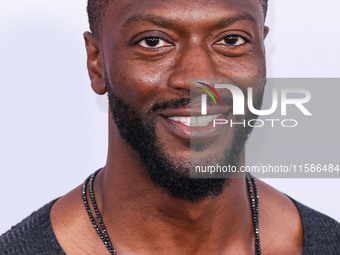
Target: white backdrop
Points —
{"points": [[53, 128]]}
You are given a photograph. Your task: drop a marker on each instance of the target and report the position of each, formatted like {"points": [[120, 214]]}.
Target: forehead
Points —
{"points": [[180, 12]]}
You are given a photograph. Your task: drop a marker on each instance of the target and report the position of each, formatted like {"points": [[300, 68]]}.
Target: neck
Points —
{"points": [[140, 215]]}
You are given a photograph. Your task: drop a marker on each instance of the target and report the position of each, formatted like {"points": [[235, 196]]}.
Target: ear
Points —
{"points": [[265, 31], [95, 63]]}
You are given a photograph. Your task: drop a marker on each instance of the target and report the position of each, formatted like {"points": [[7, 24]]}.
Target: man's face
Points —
{"points": [[151, 50]]}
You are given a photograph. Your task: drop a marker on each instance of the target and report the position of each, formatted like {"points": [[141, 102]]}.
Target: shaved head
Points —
{"points": [[96, 11]]}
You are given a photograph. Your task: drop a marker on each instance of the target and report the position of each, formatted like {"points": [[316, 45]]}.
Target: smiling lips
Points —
{"points": [[189, 123], [195, 121]]}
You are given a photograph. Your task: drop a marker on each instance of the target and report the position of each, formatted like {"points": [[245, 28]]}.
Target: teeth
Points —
{"points": [[195, 121], [184, 120]]}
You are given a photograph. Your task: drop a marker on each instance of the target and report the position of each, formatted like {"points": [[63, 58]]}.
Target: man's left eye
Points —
{"points": [[153, 42], [233, 40]]}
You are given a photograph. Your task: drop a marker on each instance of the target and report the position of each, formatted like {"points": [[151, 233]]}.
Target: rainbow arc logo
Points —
{"points": [[209, 93], [204, 97]]}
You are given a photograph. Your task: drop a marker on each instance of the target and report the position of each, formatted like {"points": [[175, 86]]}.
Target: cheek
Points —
{"points": [[246, 72], [138, 82], [247, 67]]}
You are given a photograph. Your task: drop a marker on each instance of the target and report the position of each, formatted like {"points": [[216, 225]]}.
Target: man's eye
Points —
{"points": [[153, 42], [233, 40]]}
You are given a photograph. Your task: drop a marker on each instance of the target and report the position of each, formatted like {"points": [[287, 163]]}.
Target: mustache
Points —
{"points": [[172, 104], [185, 102]]}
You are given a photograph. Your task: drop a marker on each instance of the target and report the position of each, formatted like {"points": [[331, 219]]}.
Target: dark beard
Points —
{"points": [[173, 177]]}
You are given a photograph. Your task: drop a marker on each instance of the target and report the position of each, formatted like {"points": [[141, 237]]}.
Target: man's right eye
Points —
{"points": [[153, 42]]}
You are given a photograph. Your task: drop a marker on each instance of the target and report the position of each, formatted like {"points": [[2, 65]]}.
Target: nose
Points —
{"points": [[192, 62]]}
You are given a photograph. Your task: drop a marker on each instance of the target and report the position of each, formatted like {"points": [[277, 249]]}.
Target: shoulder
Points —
{"points": [[289, 227], [321, 233], [34, 235]]}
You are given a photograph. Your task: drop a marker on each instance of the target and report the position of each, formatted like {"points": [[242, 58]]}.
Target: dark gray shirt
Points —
{"points": [[35, 236]]}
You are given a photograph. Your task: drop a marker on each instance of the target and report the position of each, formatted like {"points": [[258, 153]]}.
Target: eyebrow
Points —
{"points": [[157, 20], [163, 22], [228, 21]]}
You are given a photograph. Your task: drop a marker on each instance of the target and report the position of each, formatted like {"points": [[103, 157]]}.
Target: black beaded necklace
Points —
{"points": [[102, 232]]}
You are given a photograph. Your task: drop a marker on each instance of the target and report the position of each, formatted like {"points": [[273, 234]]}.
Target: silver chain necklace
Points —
{"points": [[102, 232]]}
